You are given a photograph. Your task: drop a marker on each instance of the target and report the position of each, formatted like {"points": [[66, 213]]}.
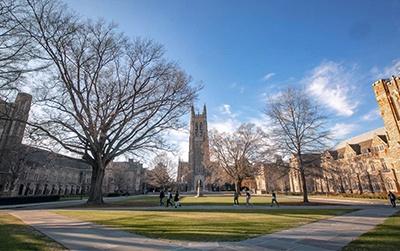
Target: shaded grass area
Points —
{"points": [[15, 235], [203, 225], [385, 236], [211, 200]]}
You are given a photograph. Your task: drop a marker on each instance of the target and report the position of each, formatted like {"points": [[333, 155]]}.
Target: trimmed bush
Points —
{"points": [[28, 199]]}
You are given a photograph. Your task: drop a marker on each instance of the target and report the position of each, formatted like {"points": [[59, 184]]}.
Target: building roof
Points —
{"points": [[41, 157], [381, 132]]}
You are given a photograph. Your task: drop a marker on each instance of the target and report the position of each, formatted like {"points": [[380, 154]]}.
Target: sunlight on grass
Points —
{"points": [[15, 235], [219, 200], [383, 237], [204, 225]]}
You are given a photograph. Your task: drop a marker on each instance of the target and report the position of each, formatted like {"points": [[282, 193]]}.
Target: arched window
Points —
{"points": [[197, 129]]}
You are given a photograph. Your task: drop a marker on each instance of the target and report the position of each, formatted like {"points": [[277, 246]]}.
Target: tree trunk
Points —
{"points": [[360, 189], [341, 185], [238, 185], [371, 187], [96, 183], [303, 180]]}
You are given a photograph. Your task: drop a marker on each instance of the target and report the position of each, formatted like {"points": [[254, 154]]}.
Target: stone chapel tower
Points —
{"points": [[387, 92], [12, 118], [199, 156]]}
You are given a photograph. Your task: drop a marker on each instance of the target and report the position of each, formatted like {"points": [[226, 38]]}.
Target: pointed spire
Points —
{"points": [[192, 111], [204, 110]]}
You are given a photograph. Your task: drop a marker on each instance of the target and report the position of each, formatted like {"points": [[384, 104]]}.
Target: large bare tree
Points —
{"points": [[238, 152], [163, 172], [299, 127], [17, 53], [109, 95]]}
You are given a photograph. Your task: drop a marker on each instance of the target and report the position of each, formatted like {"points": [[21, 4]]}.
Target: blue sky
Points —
{"points": [[243, 51]]}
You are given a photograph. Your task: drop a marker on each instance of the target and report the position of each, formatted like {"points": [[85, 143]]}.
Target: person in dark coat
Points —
{"points": [[162, 196], [274, 200], [392, 199], [236, 198], [248, 197], [176, 199], [169, 199]]}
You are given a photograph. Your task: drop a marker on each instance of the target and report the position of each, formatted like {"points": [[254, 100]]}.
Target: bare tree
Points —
{"points": [[120, 179], [239, 151], [299, 127], [15, 164], [20, 161], [109, 96], [17, 53], [163, 172]]}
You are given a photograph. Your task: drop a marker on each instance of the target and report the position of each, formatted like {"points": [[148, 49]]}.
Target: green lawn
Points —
{"points": [[384, 237], [361, 197], [214, 200], [231, 225], [15, 235]]}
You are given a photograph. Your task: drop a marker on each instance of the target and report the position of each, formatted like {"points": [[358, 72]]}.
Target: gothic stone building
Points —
{"points": [[124, 177], [312, 171], [26, 170], [369, 162], [272, 177], [194, 172]]}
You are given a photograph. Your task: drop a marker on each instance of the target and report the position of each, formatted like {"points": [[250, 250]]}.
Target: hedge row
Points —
{"points": [[28, 199]]}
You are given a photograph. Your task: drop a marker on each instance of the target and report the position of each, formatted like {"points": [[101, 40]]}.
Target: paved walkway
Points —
{"points": [[329, 234], [61, 203]]}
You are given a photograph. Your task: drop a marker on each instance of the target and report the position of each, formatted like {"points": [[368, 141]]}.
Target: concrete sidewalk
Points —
{"points": [[329, 234], [61, 203]]}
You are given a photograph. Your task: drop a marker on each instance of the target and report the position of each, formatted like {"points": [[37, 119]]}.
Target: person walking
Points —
{"points": [[235, 199], [248, 197], [169, 199], [176, 199], [274, 200], [162, 196], [392, 198]]}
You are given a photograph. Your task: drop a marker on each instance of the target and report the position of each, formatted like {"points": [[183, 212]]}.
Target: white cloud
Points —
{"points": [[268, 76], [371, 115], [179, 139], [238, 87], [342, 130], [225, 121], [331, 85], [225, 109], [386, 72]]}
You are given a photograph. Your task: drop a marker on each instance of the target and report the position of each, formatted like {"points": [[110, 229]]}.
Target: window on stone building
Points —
{"points": [[372, 167], [384, 166]]}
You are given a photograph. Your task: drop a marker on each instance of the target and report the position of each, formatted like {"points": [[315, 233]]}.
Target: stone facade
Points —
{"points": [[312, 171], [12, 117], [40, 172], [124, 177], [194, 172], [369, 162], [387, 93], [272, 177], [26, 170]]}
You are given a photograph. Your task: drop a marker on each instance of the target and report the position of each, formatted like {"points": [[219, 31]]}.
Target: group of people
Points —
{"points": [[248, 197], [175, 198]]}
